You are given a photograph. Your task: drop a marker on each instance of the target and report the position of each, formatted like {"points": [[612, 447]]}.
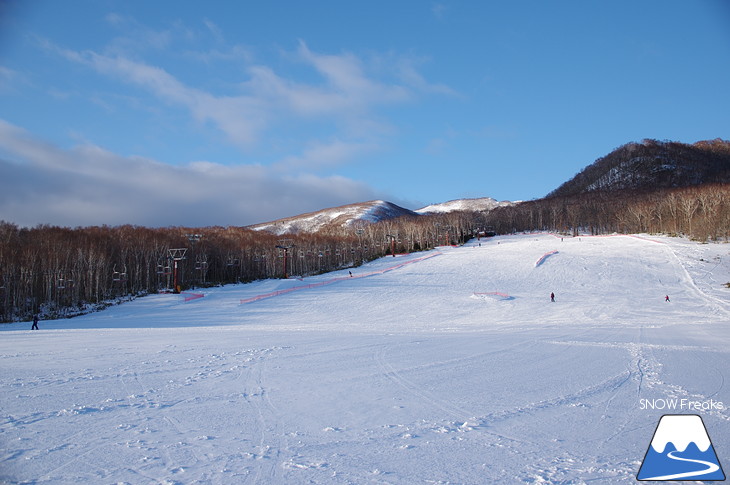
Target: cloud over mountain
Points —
{"points": [[87, 185]]}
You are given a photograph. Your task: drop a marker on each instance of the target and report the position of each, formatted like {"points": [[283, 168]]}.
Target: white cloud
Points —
{"points": [[347, 97], [346, 78], [331, 118], [410, 76], [318, 155], [87, 185], [241, 117]]}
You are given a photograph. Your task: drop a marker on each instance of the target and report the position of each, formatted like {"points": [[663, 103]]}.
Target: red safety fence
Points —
{"points": [[335, 280], [187, 296]]}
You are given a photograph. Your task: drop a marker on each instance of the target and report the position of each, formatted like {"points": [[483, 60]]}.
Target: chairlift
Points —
{"points": [[164, 270], [119, 276]]}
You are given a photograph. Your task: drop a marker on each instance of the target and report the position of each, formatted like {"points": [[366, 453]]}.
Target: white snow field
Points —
{"points": [[454, 368]]}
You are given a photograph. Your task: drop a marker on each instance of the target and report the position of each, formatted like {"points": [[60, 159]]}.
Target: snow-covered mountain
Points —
{"points": [[368, 212], [346, 215], [480, 204]]}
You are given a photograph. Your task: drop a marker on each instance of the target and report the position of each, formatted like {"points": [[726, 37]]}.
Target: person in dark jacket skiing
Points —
{"points": [[666, 298], [552, 297], [35, 323]]}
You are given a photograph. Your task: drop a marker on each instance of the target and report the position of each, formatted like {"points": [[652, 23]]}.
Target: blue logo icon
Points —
{"points": [[681, 450]]}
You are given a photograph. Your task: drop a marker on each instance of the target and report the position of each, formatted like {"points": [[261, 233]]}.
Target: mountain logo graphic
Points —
{"points": [[681, 450]]}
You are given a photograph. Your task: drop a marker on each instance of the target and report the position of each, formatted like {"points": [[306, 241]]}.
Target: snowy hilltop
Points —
{"points": [[369, 212], [472, 205], [346, 215], [653, 164]]}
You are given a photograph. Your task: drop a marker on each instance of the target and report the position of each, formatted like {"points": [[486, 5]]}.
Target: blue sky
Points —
{"points": [[231, 113]]}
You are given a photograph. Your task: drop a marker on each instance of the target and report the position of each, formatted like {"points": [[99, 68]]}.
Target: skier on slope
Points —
{"points": [[666, 298], [552, 297], [35, 322]]}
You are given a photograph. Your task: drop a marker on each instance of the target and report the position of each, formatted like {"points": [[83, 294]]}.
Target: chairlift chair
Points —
{"points": [[119, 276]]}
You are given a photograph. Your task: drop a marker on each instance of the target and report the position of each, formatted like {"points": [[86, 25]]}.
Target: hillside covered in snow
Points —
{"points": [[483, 204], [368, 213], [343, 216], [446, 366]]}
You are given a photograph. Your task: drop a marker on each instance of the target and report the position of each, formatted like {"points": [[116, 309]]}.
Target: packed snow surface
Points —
{"points": [[454, 368]]}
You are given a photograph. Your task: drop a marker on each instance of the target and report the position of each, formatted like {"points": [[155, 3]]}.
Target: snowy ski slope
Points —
{"points": [[449, 368]]}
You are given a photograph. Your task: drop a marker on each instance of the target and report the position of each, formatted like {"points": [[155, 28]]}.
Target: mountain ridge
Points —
{"points": [[341, 216], [646, 165], [369, 212], [652, 164], [471, 204]]}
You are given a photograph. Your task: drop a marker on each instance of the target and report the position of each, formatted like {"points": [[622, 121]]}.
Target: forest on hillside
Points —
{"points": [[63, 272], [700, 212], [653, 164], [60, 271]]}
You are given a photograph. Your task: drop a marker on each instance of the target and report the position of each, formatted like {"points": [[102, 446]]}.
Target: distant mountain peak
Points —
{"points": [[477, 204], [367, 212], [342, 216]]}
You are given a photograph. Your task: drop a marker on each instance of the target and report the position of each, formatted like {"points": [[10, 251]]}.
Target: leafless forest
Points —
{"points": [[62, 271]]}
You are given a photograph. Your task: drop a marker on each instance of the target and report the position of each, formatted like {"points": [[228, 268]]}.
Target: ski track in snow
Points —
{"points": [[399, 377]]}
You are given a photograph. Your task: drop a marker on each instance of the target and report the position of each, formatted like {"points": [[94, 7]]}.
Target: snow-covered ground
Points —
{"points": [[455, 368]]}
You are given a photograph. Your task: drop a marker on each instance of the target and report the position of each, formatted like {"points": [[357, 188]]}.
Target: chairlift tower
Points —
{"points": [[176, 255], [392, 243], [285, 245]]}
